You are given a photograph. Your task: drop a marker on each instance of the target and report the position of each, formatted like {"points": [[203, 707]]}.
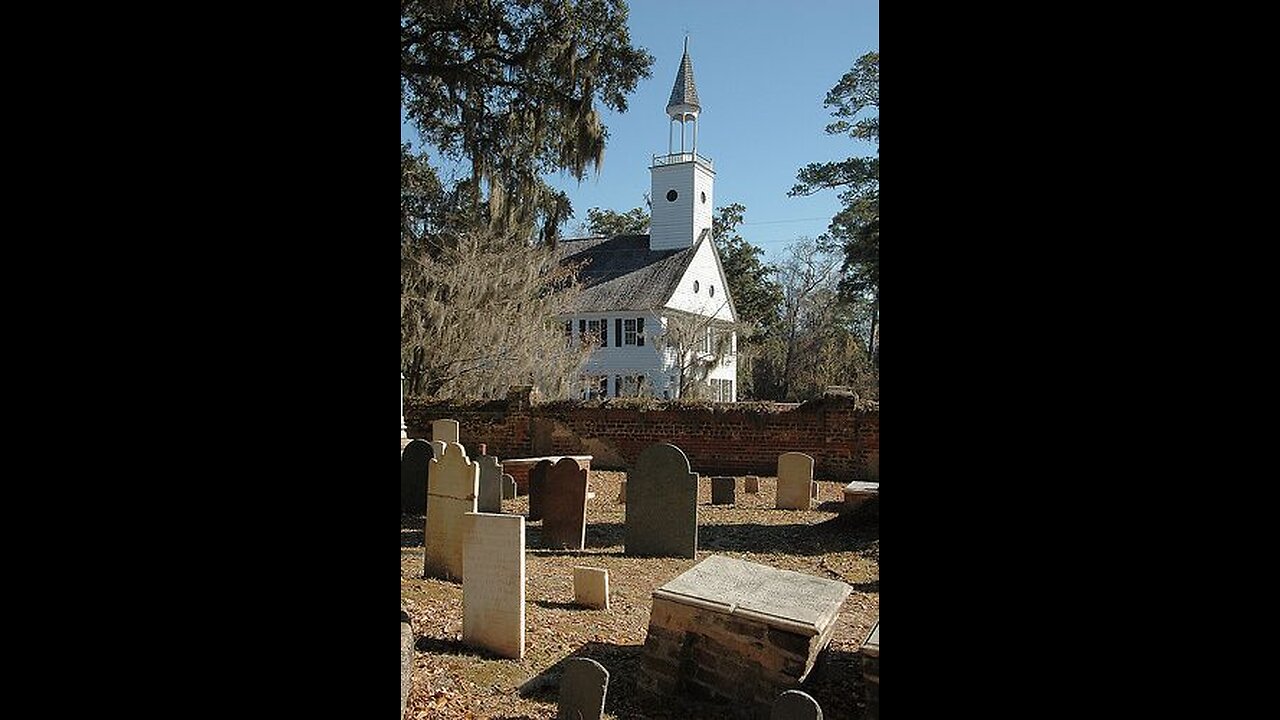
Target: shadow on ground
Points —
{"points": [[841, 533], [412, 530], [449, 646], [835, 682]]}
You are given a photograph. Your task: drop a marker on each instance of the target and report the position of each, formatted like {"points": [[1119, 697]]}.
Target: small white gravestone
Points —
{"points": [[591, 587], [795, 482]]}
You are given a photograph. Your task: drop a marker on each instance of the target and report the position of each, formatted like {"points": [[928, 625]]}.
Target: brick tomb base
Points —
{"points": [[738, 632]]}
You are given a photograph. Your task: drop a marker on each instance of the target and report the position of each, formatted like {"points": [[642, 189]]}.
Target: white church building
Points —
{"points": [[658, 305]]}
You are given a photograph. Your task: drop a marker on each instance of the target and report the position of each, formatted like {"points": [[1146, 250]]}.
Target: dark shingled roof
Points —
{"points": [[622, 273], [684, 91]]}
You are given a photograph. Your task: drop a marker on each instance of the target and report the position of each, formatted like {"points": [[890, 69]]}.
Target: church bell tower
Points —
{"points": [[682, 182]]}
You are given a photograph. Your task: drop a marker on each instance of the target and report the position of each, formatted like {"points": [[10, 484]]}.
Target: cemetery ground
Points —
{"points": [[451, 680]]}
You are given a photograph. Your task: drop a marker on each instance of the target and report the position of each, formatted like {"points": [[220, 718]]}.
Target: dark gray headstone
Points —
{"points": [[751, 484], [582, 690], [564, 506], [508, 487], [795, 705], [722, 490], [662, 505], [489, 498], [406, 659], [537, 483], [413, 477]]}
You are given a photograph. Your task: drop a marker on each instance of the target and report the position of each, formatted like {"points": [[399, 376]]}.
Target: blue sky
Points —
{"points": [[762, 70]]}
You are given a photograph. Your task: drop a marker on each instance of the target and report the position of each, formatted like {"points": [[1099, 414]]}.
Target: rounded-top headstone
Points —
{"points": [[662, 505], [537, 488], [582, 690], [795, 705], [413, 477]]}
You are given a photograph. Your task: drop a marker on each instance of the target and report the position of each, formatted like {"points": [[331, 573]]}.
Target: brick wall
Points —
{"points": [[842, 434]]}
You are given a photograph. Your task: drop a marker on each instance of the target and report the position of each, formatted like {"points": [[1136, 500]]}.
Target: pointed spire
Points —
{"points": [[684, 94]]}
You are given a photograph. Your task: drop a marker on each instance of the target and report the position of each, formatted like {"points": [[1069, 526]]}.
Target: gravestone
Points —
{"points": [[451, 493], [795, 705], [489, 495], [813, 493], [795, 482], [413, 477], [493, 587], [859, 492], [582, 690], [406, 659], [564, 506], [871, 671], [662, 510], [737, 631], [445, 431], [622, 492], [537, 488], [508, 487], [591, 587], [722, 490], [751, 484]]}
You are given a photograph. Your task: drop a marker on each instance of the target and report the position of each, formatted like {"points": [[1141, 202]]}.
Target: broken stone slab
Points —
{"points": [[859, 493]]}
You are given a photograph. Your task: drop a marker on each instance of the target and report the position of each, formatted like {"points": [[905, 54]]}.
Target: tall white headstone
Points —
{"points": [[493, 587], [453, 481]]}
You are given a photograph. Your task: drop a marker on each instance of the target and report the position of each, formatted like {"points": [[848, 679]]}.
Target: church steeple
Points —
{"points": [[684, 105], [682, 182]]}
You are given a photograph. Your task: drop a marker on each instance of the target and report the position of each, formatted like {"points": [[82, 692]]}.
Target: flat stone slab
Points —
{"points": [[791, 601], [862, 486]]}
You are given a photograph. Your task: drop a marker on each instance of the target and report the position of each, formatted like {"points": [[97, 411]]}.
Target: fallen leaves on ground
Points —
{"points": [[456, 682]]}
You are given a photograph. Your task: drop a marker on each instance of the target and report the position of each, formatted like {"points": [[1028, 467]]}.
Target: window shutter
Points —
{"points": [[604, 334], [617, 326], [639, 331], [582, 328]]}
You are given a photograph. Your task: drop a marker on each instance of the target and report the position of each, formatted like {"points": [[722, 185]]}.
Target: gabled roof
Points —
{"points": [[684, 92], [622, 273]]}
